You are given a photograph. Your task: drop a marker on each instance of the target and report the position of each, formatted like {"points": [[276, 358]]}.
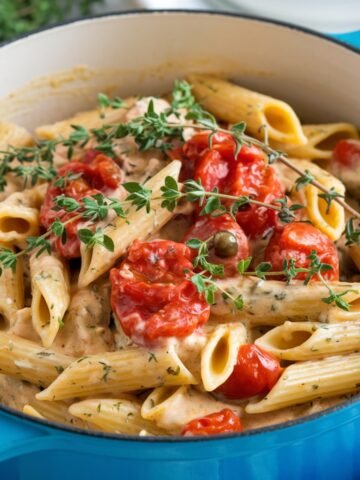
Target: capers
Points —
{"points": [[225, 244]]}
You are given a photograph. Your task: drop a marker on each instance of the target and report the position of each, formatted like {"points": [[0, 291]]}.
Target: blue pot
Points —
{"points": [[323, 447], [320, 79]]}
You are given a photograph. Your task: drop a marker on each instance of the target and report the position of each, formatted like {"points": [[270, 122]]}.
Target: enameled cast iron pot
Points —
{"points": [[142, 54]]}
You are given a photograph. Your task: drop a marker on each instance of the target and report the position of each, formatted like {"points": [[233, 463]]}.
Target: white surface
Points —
{"points": [[330, 16], [143, 54]]}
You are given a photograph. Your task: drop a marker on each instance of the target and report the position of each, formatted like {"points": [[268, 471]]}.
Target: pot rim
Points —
{"points": [[179, 439]]}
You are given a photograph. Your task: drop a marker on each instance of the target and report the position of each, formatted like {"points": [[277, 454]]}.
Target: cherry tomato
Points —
{"points": [[247, 174], [256, 179], [152, 295], [297, 241], [347, 153], [206, 227], [95, 174], [225, 421], [255, 373], [212, 170], [346, 165]]}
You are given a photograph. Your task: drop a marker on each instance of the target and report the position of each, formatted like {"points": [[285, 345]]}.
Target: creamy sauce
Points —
{"points": [[86, 328]]}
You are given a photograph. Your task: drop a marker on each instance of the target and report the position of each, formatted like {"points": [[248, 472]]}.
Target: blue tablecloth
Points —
{"points": [[352, 38]]}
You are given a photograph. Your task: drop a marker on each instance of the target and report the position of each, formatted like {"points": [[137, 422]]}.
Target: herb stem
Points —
{"points": [[267, 150], [318, 185]]}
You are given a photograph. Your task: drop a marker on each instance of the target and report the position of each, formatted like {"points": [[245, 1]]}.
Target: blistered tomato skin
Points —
{"points": [[206, 227], [96, 173], [152, 295], [225, 421], [256, 179], [245, 174], [255, 373], [347, 153], [212, 170], [296, 241]]}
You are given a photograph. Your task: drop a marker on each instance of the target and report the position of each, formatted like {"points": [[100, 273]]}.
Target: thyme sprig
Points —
{"points": [[352, 233], [194, 192], [208, 287], [155, 130], [92, 210], [290, 271]]}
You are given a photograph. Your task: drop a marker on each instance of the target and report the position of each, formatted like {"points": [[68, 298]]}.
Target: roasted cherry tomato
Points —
{"points": [[225, 421], [212, 170], [346, 165], [96, 173], [246, 174], [296, 241], [347, 153], [152, 295], [228, 244], [255, 373], [254, 178]]}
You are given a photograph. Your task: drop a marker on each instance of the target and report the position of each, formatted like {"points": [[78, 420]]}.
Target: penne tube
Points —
{"points": [[14, 135], [219, 356], [321, 141], [137, 226], [50, 295], [260, 420], [233, 104], [19, 215], [89, 119], [306, 340], [173, 407], [272, 302], [117, 415], [29, 410], [305, 381], [55, 412], [29, 361], [11, 293], [17, 223], [330, 220], [123, 371]]}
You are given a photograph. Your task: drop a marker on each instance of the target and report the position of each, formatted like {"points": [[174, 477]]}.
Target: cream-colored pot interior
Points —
{"points": [[52, 74]]}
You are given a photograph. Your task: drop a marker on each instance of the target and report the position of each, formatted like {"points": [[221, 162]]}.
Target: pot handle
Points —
{"points": [[352, 38], [20, 435]]}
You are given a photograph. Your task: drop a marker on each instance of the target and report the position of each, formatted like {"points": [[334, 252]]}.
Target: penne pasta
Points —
{"points": [[55, 412], [89, 119], [220, 353], [29, 361], [137, 226], [19, 216], [29, 410], [172, 407], [123, 371], [50, 295], [14, 135], [233, 104], [116, 415], [305, 381], [321, 141], [11, 293], [330, 220], [155, 312], [272, 302], [306, 340]]}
